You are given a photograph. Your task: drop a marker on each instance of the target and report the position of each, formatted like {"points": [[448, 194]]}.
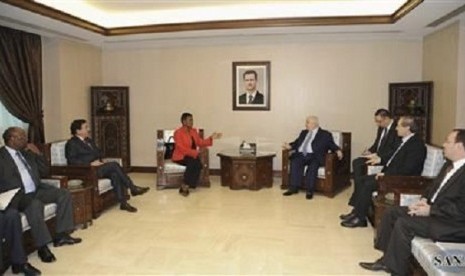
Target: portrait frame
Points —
{"points": [[258, 101]]}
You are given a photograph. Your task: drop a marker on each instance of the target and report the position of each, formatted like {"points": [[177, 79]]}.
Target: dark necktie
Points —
{"points": [[382, 138], [392, 157], [28, 182], [443, 182], [250, 99]]}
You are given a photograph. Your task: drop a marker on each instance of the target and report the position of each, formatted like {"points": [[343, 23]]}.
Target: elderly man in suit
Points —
{"points": [[81, 150], [439, 214], [21, 166], [309, 148], [384, 145], [407, 159], [11, 231]]}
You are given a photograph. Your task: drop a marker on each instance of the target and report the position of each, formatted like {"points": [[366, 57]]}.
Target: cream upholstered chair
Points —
{"points": [[102, 190], [334, 175], [404, 190], [170, 174]]}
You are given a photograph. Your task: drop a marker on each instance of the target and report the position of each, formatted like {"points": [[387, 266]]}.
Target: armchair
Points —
{"points": [[334, 175], [170, 174], [102, 190], [403, 190], [49, 216]]}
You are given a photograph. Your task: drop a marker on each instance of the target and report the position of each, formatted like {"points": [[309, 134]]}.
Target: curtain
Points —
{"points": [[7, 120], [21, 79]]}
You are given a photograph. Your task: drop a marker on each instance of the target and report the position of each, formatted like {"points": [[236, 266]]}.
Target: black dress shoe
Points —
{"points": [[27, 269], [139, 190], [126, 207], [309, 196], [184, 191], [65, 239], [348, 216], [290, 192], [355, 222], [46, 255], [378, 265]]}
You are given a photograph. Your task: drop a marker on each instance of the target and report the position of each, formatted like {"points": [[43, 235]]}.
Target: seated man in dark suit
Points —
{"points": [[11, 231], [407, 159], [309, 151], [384, 146], [439, 215], [81, 150], [21, 166]]}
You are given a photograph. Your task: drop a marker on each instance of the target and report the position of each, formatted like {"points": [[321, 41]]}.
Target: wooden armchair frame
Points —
{"points": [[88, 174], [175, 179], [337, 172], [397, 185]]}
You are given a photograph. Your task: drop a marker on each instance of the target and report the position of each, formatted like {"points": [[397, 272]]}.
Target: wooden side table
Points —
{"points": [[82, 205], [252, 172]]}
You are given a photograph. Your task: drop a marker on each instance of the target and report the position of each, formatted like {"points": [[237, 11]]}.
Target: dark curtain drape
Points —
{"points": [[21, 79]]}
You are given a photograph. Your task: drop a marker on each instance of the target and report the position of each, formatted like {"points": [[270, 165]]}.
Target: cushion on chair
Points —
{"points": [[49, 212], [167, 134], [57, 153], [171, 167], [51, 181], [321, 172], [433, 162], [425, 251], [337, 137], [104, 185]]}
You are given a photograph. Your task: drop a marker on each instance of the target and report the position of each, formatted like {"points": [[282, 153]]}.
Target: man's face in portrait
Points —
{"points": [[250, 82]]}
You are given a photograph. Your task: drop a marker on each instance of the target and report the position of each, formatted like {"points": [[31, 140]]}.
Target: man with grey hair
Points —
{"points": [[309, 149], [407, 159]]}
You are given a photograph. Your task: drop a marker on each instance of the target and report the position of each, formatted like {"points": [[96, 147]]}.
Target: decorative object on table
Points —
{"points": [[248, 148]]}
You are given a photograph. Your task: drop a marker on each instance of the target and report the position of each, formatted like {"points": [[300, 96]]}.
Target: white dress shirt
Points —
{"points": [[456, 166], [26, 178]]}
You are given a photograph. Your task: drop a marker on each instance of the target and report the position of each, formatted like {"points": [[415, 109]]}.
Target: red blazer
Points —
{"points": [[183, 143]]}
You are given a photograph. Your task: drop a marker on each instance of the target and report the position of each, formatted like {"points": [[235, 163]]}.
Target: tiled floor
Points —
{"points": [[218, 231]]}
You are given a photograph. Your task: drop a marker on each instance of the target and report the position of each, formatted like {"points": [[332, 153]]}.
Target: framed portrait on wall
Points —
{"points": [[251, 85]]}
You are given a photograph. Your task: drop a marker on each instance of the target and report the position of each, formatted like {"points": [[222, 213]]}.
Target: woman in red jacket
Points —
{"points": [[187, 142]]}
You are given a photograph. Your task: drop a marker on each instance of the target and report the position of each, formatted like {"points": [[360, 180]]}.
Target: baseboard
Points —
{"points": [[216, 172], [141, 169]]}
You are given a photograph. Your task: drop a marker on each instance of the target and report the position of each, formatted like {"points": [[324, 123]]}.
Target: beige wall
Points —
{"points": [[341, 81], [69, 69], [440, 65], [460, 110]]}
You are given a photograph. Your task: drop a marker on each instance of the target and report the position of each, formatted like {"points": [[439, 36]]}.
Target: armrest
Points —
{"points": [[113, 159], [204, 156], [286, 154], [59, 181], [402, 185], [335, 166], [86, 173]]}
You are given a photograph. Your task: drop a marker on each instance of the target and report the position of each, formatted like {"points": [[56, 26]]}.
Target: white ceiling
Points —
{"points": [[116, 14], [411, 26]]}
